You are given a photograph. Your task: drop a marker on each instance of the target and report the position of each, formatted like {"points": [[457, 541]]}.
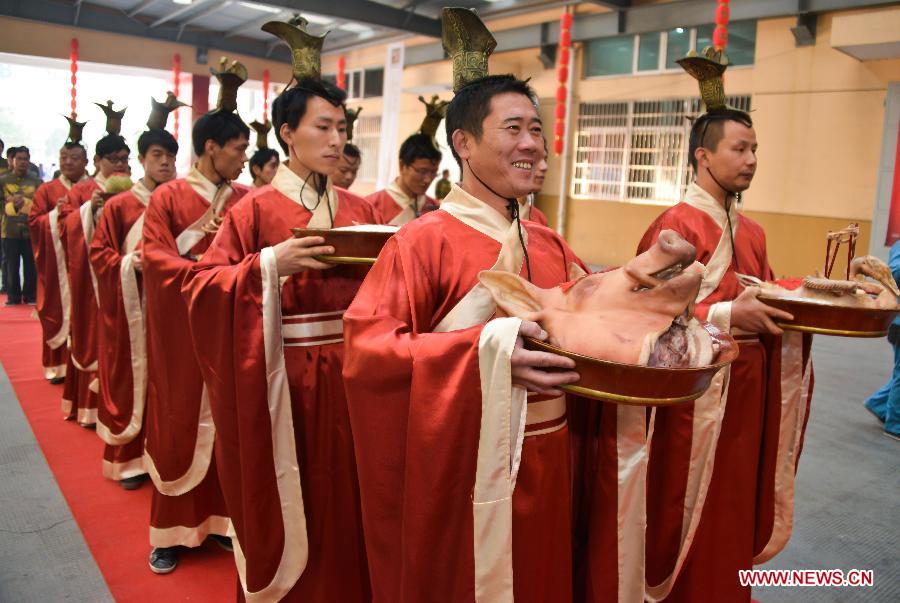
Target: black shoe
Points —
{"points": [[222, 541], [57, 380], [12, 302], [133, 483], [163, 560]]}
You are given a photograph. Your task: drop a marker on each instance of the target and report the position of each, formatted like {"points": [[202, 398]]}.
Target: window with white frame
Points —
{"points": [[636, 151], [361, 83], [657, 51], [366, 134]]}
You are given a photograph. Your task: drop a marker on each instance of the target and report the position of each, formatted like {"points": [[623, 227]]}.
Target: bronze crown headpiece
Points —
{"points": [[352, 116], [708, 69], [113, 118], [435, 111], [306, 49], [159, 111], [468, 42], [231, 77], [262, 133], [75, 130]]}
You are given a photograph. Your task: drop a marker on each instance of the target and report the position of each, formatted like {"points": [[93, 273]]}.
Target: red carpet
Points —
{"points": [[114, 522]]}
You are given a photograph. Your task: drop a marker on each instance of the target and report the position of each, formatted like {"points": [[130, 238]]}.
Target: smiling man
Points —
{"points": [[465, 485], [180, 223], [283, 448]]}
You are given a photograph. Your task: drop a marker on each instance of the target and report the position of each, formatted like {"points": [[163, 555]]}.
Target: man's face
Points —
{"points": [[319, 138], [20, 163], [733, 163], [114, 162], [159, 164], [267, 172], [417, 176], [540, 172], [229, 160], [345, 174], [510, 146], [72, 163]]}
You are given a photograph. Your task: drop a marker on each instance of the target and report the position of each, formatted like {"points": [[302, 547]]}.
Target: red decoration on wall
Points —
{"points": [[720, 33], [342, 72], [562, 76], [176, 85], [73, 67], [265, 95]]}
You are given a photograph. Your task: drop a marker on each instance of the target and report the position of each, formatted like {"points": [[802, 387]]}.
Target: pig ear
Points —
{"points": [[512, 293], [575, 271]]}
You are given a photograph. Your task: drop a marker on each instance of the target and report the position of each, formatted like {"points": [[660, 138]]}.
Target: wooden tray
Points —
{"points": [[814, 316], [350, 246], [642, 385]]}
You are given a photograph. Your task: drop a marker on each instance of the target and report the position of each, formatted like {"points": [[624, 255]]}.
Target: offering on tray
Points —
{"points": [[632, 330], [863, 304], [357, 244]]}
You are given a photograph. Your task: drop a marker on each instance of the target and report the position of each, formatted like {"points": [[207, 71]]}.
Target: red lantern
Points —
{"points": [[561, 94], [720, 33], [176, 86], [560, 128], [342, 72], [563, 56], [563, 74], [265, 94], [720, 37], [560, 111], [565, 38], [558, 146], [73, 67], [565, 22], [722, 14]]}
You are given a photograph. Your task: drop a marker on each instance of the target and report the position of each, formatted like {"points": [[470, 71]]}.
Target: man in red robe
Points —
{"points": [[465, 487], [712, 508], [79, 214], [115, 255], [283, 445], [53, 281], [404, 199], [179, 225], [527, 209]]}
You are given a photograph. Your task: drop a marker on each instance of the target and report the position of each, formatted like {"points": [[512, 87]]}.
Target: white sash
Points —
{"points": [[87, 225], [408, 205], [62, 273]]}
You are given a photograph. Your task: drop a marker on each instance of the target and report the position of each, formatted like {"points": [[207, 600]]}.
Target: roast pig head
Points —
{"points": [[641, 313]]}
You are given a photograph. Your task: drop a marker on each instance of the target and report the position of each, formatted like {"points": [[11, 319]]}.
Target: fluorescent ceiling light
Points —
{"points": [[261, 7], [355, 28], [182, 1], [316, 19]]}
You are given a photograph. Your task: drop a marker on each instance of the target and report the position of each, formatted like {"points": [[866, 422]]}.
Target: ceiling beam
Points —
{"points": [[141, 6], [613, 4], [98, 18], [366, 12], [257, 24], [184, 9]]}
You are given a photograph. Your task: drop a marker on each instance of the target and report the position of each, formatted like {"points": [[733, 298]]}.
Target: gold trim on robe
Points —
{"points": [[189, 536]]}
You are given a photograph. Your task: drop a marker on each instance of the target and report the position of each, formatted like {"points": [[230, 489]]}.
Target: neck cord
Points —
{"points": [[730, 198], [321, 184], [512, 205]]}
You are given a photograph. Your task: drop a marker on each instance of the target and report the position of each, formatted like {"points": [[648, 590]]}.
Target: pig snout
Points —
{"points": [[675, 246]]}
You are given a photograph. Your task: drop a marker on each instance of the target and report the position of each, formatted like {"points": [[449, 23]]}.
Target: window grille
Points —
{"points": [[366, 134], [636, 151]]}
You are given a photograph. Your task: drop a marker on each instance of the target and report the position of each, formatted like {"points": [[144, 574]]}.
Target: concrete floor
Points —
{"points": [[847, 511]]}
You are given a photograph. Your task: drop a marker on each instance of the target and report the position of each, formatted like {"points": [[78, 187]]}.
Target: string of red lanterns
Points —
{"points": [[562, 76], [176, 76], [720, 33], [342, 72], [73, 67], [265, 95]]}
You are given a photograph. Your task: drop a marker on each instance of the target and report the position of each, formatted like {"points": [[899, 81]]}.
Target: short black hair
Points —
{"points": [[708, 129], [2, 144], [472, 104], [22, 150], [109, 144], [10, 151], [157, 137], [218, 126], [418, 146], [290, 106], [75, 145], [352, 151], [260, 158]]}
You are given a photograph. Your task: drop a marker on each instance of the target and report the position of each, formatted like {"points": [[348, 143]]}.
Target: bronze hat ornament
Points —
{"points": [[159, 111], [435, 111], [708, 69], [262, 133], [468, 42], [352, 116], [231, 77], [75, 130], [306, 49], [113, 117]]}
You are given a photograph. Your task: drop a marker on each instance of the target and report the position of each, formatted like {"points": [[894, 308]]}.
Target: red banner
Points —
{"points": [[893, 229]]}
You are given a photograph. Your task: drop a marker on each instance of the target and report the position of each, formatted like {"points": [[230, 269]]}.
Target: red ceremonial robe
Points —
{"points": [[529, 211], [465, 493], [397, 207], [121, 338], [271, 350], [720, 482], [81, 393], [53, 281], [187, 503]]}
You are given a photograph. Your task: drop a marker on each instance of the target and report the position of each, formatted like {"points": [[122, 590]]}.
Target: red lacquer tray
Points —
{"points": [[815, 316], [350, 246]]}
